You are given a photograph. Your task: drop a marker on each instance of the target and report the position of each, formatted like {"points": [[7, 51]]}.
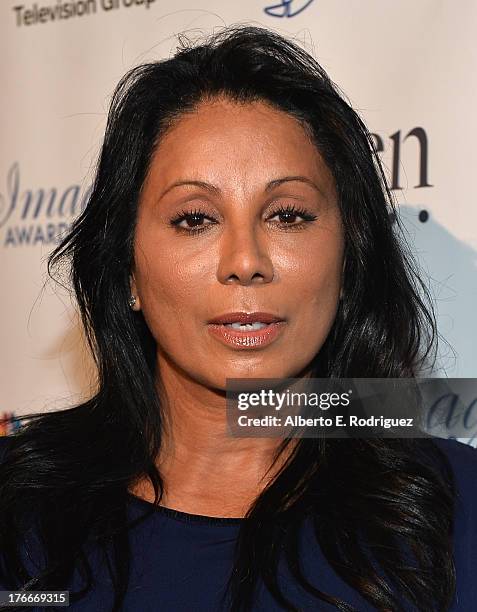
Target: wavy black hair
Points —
{"points": [[373, 501]]}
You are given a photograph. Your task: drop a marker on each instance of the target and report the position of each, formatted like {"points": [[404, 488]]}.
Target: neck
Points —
{"points": [[205, 470]]}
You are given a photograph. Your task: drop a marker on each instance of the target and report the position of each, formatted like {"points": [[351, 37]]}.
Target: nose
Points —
{"points": [[244, 257]]}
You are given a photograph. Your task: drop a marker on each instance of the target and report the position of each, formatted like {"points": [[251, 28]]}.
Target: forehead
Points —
{"points": [[222, 140]]}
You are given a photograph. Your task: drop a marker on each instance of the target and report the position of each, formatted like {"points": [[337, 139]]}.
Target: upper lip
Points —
{"points": [[246, 317]]}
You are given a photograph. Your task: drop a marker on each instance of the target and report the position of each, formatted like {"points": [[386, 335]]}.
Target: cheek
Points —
{"points": [[313, 275], [169, 284], [313, 280]]}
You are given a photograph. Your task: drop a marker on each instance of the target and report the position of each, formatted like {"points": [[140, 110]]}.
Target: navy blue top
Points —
{"points": [[181, 561]]}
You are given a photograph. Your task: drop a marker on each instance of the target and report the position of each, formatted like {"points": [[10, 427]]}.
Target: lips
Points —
{"points": [[241, 330], [244, 317]]}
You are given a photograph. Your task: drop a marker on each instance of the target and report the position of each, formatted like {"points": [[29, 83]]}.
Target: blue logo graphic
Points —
{"points": [[285, 9], [39, 215]]}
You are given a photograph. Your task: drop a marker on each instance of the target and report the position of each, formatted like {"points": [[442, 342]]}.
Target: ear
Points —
{"points": [[137, 302]]}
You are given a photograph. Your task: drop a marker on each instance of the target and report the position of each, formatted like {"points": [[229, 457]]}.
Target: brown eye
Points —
{"points": [[288, 215], [191, 221]]}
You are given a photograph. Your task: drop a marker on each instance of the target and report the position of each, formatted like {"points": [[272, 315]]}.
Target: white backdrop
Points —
{"points": [[408, 67]]}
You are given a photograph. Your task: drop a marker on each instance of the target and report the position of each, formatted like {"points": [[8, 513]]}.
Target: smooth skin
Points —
{"points": [[247, 257]]}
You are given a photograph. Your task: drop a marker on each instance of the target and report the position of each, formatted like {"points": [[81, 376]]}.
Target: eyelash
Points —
{"points": [[289, 209]]}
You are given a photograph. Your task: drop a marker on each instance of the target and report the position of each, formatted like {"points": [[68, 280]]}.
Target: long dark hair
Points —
{"points": [[68, 472]]}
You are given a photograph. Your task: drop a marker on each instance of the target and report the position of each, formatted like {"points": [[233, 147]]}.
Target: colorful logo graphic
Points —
{"points": [[9, 423]]}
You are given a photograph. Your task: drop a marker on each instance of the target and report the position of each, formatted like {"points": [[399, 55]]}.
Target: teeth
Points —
{"points": [[247, 326]]}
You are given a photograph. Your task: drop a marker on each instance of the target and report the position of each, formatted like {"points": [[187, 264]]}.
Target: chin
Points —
{"points": [[251, 373]]}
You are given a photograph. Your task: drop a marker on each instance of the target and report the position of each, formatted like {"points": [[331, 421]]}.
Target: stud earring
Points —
{"points": [[132, 301]]}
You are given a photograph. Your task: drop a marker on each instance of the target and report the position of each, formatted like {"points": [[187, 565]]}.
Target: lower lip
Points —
{"points": [[247, 339]]}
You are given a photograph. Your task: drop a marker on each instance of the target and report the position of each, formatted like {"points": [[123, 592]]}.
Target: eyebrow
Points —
{"points": [[213, 189]]}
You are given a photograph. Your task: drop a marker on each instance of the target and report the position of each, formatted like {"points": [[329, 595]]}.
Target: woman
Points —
{"points": [[239, 227]]}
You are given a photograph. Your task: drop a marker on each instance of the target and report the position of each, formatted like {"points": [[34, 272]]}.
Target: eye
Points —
{"points": [[192, 222], [289, 214]]}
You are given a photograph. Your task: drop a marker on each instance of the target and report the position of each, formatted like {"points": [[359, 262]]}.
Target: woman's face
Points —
{"points": [[238, 213]]}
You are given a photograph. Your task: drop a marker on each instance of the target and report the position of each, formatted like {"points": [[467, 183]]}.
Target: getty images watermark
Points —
{"points": [[350, 407]]}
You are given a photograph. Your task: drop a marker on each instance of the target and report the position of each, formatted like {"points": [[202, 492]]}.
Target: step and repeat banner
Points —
{"points": [[409, 68]]}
